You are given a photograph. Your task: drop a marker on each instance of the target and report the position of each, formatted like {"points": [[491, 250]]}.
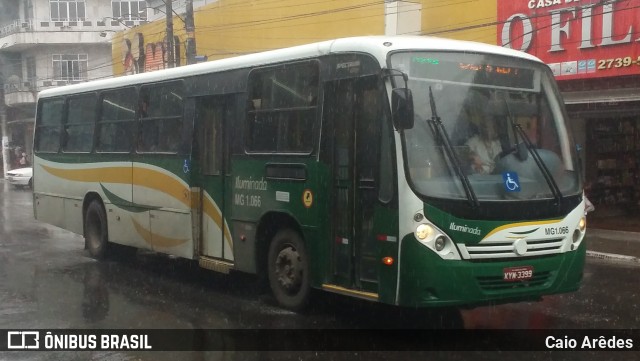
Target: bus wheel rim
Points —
{"points": [[289, 269]]}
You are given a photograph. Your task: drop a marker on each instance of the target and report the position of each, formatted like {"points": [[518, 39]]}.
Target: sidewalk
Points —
{"points": [[613, 245]]}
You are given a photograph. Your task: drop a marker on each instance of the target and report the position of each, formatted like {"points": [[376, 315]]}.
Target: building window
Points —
{"points": [[67, 10], [28, 9], [129, 10], [70, 67], [31, 71]]}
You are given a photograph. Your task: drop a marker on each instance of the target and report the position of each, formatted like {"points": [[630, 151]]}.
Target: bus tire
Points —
{"points": [[288, 269], [96, 237]]}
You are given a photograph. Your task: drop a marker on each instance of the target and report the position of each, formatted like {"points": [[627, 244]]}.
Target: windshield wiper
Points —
{"points": [[534, 153], [440, 133]]}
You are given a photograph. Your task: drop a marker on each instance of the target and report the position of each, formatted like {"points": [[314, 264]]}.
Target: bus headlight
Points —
{"points": [[433, 238], [582, 224], [423, 231]]}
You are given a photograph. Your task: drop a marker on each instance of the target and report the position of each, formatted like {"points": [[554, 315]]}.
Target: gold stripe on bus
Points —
{"points": [[155, 239], [212, 211], [521, 224], [348, 292], [106, 175], [141, 177], [195, 198], [162, 182]]}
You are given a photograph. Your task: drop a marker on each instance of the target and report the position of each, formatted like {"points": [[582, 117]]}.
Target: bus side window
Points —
{"points": [[160, 118], [282, 108], [116, 121], [48, 126], [78, 129]]}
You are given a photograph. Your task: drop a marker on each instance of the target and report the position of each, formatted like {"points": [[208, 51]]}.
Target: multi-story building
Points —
{"points": [[225, 28], [49, 43]]}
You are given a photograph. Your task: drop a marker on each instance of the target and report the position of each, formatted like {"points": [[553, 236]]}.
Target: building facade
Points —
{"points": [[591, 45], [49, 43], [226, 28], [592, 48]]}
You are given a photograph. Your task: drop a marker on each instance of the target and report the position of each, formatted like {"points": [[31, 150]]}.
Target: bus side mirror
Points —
{"points": [[402, 108]]}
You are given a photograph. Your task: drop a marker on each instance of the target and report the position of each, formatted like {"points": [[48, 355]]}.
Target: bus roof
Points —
{"points": [[378, 46]]}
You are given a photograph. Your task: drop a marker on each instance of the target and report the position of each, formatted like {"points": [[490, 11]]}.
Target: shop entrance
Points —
{"points": [[613, 172]]}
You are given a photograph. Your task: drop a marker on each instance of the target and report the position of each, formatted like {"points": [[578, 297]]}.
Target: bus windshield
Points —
{"points": [[487, 127]]}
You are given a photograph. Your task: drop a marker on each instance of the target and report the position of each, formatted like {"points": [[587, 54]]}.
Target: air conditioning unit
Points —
{"points": [[25, 25]]}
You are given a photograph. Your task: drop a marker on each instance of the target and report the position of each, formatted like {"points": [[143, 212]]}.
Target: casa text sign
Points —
{"points": [[577, 38]]}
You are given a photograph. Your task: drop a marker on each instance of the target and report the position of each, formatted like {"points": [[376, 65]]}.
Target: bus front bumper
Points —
{"points": [[426, 280]]}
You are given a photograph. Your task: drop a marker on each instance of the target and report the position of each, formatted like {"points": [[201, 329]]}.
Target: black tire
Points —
{"points": [[96, 237], [288, 270]]}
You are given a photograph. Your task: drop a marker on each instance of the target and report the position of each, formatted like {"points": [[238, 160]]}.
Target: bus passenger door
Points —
{"points": [[354, 127], [211, 112]]}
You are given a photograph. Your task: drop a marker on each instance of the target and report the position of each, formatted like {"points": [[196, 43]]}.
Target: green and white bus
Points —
{"points": [[343, 165]]}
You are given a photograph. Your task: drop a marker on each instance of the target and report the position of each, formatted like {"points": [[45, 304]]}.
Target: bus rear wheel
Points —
{"points": [[95, 230], [288, 270]]}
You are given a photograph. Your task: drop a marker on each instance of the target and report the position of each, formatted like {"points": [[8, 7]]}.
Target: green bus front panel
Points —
{"points": [[428, 280]]}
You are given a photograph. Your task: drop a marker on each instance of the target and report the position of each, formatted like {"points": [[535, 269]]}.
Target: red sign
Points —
{"points": [[577, 38]]}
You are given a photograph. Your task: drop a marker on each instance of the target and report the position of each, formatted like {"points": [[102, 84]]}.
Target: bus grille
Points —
{"points": [[497, 283], [505, 249]]}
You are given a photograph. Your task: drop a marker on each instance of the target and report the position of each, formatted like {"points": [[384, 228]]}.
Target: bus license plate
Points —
{"points": [[512, 274]]}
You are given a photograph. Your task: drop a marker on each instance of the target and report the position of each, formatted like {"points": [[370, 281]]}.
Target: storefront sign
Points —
{"points": [[577, 38]]}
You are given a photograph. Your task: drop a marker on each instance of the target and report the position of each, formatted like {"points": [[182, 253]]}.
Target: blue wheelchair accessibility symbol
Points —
{"points": [[511, 182], [185, 166]]}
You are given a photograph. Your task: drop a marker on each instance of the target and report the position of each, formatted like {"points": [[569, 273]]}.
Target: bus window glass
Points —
{"points": [[282, 109], [116, 123], [48, 129], [212, 116], [481, 100], [160, 118], [387, 154], [78, 130]]}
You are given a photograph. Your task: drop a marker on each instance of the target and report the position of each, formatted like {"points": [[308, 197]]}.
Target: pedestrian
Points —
{"points": [[23, 160]]}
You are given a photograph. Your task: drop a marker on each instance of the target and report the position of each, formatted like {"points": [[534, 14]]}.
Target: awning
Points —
{"points": [[612, 96]]}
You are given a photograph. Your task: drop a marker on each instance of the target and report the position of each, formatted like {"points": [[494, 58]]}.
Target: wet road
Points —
{"points": [[48, 281]]}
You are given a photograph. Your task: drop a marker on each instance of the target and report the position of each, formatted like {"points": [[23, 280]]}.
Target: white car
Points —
{"points": [[21, 177]]}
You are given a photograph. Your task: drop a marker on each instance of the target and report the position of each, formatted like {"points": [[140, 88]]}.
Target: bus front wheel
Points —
{"points": [[95, 234], [288, 269]]}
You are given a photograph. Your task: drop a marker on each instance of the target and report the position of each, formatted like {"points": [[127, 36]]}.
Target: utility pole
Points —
{"points": [[190, 27], [3, 124], [169, 12]]}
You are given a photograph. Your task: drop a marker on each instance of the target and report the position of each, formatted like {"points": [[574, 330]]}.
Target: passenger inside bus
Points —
{"points": [[484, 146]]}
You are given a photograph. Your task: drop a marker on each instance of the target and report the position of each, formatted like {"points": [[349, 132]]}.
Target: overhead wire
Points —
{"points": [[486, 26], [279, 19]]}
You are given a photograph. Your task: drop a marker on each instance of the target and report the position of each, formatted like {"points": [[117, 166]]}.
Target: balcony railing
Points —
{"points": [[37, 85], [29, 25], [14, 27]]}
